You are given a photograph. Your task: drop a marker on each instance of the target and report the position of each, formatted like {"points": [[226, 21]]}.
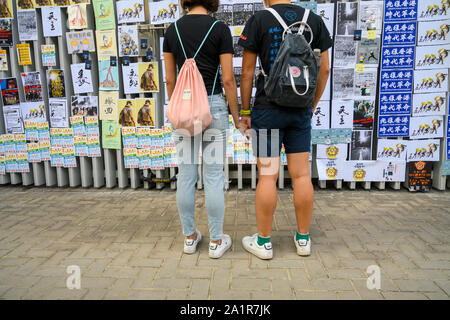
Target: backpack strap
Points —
{"points": [[204, 39], [279, 18], [304, 20]]}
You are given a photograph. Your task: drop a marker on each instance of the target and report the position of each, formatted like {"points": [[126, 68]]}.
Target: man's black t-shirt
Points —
{"points": [[263, 35], [193, 28]]}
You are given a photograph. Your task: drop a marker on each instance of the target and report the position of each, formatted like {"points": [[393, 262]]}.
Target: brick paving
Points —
{"points": [[128, 245]]}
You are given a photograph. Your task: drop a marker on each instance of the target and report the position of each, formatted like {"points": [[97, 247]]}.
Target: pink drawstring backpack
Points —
{"points": [[188, 107]]}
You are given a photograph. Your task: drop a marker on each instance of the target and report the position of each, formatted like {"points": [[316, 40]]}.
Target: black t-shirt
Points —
{"points": [[263, 34], [193, 28]]}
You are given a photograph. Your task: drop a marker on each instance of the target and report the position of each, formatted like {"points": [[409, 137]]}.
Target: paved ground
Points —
{"points": [[128, 244]]}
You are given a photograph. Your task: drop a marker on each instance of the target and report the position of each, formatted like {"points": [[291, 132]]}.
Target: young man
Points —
{"points": [[273, 125]]}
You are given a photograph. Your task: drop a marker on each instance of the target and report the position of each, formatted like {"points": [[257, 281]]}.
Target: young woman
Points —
{"points": [[182, 42], [274, 125]]}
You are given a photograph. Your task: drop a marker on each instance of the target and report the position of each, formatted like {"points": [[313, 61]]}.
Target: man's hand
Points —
{"points": [[244, 125]]}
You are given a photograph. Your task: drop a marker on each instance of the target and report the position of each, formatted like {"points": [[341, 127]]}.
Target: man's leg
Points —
{"points": [[266, 194], [298, 166]]}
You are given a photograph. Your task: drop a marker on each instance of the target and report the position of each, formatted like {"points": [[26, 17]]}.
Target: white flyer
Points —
{"points": [[361, 171], [429, 104], [81, 78], [426, 81], [391, 171], [330, 169], [432, 57], [423, 150], [332, 151], [426, 127], [321, 116], [342, 113], [59, 115], [51, 21], [392, 149]]}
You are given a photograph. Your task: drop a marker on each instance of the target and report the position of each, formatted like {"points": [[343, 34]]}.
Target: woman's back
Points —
{"points": [[192, 29]]}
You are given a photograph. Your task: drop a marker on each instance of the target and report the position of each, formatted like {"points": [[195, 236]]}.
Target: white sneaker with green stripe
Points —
{"points": [[250, 244], [303, 246]]}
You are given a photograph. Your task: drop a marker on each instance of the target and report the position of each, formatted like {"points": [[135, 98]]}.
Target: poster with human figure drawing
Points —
{"points": [[145, 110], [78, 41], [6, 9], [130, 11], [326, 12], [27, 25], [433, 57], [344, 52], [81, 78], [32, 86], [392, 150], [366, 83], [128, 41], [429, 104], [242, 11], [426, 127], [427, 81], [347, 16], [363, 112], [108, 76], [148, 77], [33, 111], [51, 21], [130, 75], [423, 150], [342, 114], [25, 4], [433, 33], [433, 10], [126, 113], [368, 52], [167, 11], [343, 83]]}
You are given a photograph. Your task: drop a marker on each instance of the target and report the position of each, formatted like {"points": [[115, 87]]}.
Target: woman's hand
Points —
{"points": [[244, 125]]}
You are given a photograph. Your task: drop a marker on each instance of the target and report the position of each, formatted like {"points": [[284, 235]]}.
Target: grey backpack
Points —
{"points": [[293, 77]]}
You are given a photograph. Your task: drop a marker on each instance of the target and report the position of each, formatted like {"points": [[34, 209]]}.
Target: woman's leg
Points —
{"points": [[213, 150], [187, 177]]}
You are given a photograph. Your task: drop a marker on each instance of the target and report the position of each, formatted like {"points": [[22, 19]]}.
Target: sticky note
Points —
{"points": [[359, 67], [371, 34]]}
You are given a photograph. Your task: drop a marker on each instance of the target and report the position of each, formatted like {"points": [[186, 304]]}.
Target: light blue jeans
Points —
{"points": [[213, 144]]}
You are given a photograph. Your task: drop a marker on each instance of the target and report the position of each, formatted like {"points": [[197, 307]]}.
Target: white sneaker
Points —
{"points": [[217, 250], [250, 244], [303, 246], [190, 245]]}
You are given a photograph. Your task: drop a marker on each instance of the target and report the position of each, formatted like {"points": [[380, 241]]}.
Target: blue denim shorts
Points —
{"points": [[274, 127]]}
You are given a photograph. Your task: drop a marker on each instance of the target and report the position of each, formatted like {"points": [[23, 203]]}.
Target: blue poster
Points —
{"points": [[448, 126], [400, 10], [395, 103], [393, 126], [396, 81], [399, 33], [448, 148], [398, 57]]}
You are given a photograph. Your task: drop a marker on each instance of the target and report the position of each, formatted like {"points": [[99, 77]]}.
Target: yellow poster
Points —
{"points": [[148, 77], [79, 1], [44, 3], [106, 44], [3, 60], [145, 108], [61, 3], [108, 105], [24, 54], [25, 4], [127, 113], [6, 9]]}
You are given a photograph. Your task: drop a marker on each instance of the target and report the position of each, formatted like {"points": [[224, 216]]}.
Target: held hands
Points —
{"points": [[244, 125]]}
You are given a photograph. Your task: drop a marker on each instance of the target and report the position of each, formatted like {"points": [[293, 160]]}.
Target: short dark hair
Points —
{"points": [[210, 5]]}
